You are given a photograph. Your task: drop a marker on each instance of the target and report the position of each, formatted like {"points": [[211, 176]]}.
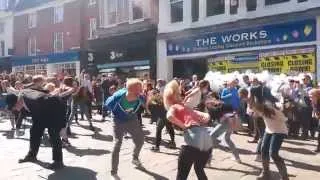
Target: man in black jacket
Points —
{"points": [[47, 112]]}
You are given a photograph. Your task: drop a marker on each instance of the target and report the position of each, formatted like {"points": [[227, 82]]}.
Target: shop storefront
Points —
{"points": [[67, 62], [286, 47], [131, 55]]}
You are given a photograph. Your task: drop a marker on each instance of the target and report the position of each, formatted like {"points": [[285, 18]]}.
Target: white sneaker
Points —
{"points": [[238, 160], [115, 177], [136, 162]]}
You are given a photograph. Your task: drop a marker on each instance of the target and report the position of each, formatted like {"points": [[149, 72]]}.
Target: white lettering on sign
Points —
{"points": [[90, 57], [232, 38], [115, 55], [40, 60]]}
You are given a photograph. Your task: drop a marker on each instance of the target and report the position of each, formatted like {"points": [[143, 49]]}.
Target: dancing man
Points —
{"points": [[124, 105]]}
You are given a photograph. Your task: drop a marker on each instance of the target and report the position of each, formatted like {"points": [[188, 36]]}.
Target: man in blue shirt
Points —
{"points": [[124, 105], [229, 95]]}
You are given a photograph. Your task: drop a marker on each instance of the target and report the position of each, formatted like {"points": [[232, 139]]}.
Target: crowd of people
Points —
{"points": [[193, 106]]}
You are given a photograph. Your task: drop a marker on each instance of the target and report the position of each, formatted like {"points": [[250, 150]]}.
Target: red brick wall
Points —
{"points": [[75, 27]]}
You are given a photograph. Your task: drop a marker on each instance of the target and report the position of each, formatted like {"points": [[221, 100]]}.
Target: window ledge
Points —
{"points": [[137, 20]]}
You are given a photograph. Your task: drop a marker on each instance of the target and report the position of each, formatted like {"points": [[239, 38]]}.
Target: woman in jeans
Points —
{"points": [[196, 135], [276, 131]]}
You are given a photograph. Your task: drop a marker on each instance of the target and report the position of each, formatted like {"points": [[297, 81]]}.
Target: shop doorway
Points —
{"points": [[186, 68]]}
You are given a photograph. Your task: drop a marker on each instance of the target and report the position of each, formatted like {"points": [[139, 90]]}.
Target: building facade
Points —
{"points": [[196, 36], [51, 36], [126, 43], [6, 34]]}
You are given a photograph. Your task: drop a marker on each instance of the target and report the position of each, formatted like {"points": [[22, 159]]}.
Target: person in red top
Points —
{"points": [[196, 135]]}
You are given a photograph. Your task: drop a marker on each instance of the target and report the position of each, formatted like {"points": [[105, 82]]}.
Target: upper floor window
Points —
{"points": [[4, 4], [195, 10], [270, 2], [93, 28], [32, 20], [251, 5], [92, 2], [2, 48], [2, 26], [215, 7], [234, 4], [176, 10], [117, 11], [58, 14], [32, 46], [137, 9], [58, 42]]}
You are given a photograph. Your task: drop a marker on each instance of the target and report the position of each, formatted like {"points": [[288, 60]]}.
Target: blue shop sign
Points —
{"points": [[285, 33], [46, 59]]}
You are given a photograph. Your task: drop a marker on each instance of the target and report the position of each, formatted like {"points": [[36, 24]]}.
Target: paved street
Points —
{"points": [[89, 159]]}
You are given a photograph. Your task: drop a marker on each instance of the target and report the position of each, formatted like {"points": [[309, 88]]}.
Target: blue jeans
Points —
{"points": [[271, 145]]}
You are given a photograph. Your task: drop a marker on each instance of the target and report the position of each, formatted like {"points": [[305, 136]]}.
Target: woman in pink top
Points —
{"points": [[196, 135], [276, 132]]}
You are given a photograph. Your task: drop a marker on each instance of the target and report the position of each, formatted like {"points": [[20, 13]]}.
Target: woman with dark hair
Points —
{"points": [[314, 95], [276, 131]]}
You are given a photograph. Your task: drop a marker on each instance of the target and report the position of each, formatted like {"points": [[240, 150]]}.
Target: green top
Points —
{"points": [[128, 106]]}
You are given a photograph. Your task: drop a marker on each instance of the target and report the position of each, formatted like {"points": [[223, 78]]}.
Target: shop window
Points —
{"points": [[58, 42], [137, 10], [41, 69], [270, 2], [195, 10], [58, 14], [68, 68], [2, 26], [215, 7], [32, 20], [234, 5], [93, 28], [176, 10], [32, 46], [30, 69]]}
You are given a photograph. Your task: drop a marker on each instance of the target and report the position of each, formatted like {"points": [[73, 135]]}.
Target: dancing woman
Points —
{"points": [[314, 95], [196, 135], [276, 131]]}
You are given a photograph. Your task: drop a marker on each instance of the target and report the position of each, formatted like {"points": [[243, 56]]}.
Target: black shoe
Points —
{"points": [[317, 150], [28, 159], [172, 145], [155, 149], [56, 166], [91, 128], [68, 131]]}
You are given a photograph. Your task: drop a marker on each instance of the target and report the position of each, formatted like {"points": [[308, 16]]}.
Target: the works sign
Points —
{"points": [[298, 31]]}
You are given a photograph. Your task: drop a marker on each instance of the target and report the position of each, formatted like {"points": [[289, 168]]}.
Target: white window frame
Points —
{"points": [[92, 2], [32, 41], [55, 41], [92, 28], [172, 2], [4, 4], [32, 20], [2, 27], [131, 20], [58, 14], [117, 21]]}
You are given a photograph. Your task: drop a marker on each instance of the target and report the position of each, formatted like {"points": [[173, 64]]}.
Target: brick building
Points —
{"points": [[51, 35]]}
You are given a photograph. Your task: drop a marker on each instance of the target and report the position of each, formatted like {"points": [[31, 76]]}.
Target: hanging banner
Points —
{"points": [[221, 66], [301, 63], [275, 64]]}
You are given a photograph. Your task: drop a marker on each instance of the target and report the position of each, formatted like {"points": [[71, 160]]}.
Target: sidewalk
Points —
{"points": [[89, 159]]}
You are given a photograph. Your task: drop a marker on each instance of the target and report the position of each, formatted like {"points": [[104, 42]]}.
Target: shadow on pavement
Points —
{"points": [[9, 134], [298, 150], [73, 173], [241, 151], [299, 143], [102, 137], [154, 175], [301, 165], [86, 152]]}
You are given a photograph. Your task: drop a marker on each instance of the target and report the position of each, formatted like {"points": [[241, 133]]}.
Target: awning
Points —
{"points": [[123, 64]]}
